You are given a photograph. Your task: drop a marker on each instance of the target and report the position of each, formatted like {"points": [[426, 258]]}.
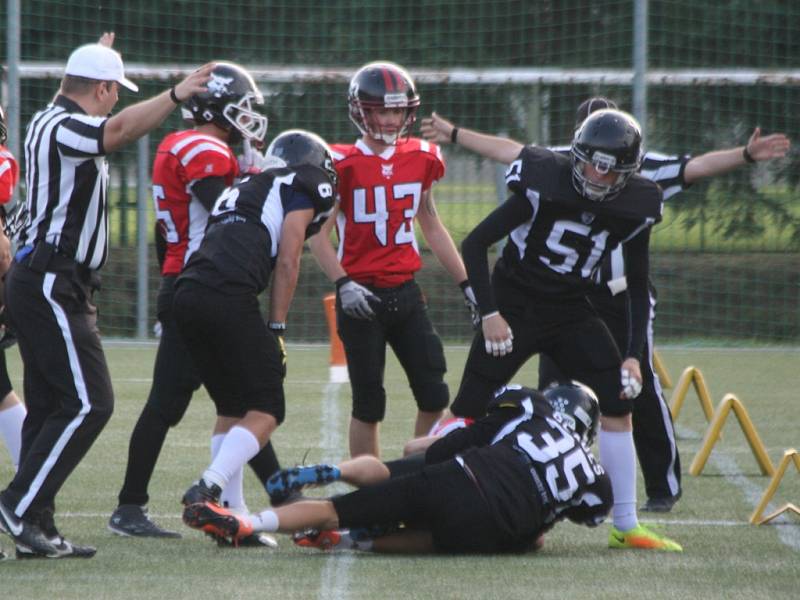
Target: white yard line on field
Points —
{"points": [[727, 465], [335, 576]]}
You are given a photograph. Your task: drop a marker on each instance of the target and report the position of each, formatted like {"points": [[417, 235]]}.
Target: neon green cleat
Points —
{"points": [[641, 537]]}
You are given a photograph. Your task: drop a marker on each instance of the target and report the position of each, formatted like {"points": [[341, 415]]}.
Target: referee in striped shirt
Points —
{"points": [[49, 288]]}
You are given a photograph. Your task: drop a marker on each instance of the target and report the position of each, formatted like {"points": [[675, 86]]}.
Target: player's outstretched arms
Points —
{"points": [[758, 148], [441, 131]]}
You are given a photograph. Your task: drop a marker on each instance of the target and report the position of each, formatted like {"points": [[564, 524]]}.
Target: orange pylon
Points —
{"points": [[338, 361]]}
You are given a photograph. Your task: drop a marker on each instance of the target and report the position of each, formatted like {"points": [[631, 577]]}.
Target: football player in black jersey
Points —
{"points": [[563, 217], [653, 430], [256, 229], [495, 486]]}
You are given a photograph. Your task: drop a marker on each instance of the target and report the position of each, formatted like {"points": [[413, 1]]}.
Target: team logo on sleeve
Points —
{"points": [[387, 171]]}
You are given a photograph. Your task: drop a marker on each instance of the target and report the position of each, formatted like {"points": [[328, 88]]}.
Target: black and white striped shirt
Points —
{"points": [[67, 183], [667, 172]]}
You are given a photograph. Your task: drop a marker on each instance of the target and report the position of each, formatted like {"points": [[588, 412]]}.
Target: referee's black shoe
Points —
{"points": [[64, 549], [661, 504], [132, 520], [26, 535]]}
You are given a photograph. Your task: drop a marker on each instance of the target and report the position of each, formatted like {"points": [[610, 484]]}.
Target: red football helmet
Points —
{"points": [[382, 85]]}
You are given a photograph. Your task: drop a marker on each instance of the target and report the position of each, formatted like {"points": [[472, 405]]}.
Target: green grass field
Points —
{"points": [[724, 556]]}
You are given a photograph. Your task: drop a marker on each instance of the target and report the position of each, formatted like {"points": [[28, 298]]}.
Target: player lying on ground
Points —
{"points": [[493, 487]]}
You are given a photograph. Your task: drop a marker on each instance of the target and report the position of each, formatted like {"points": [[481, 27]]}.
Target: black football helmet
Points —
{"points": [[299, 147], [610, 141], [3, 128], [382, 85], [229, 102], [578, 406]]}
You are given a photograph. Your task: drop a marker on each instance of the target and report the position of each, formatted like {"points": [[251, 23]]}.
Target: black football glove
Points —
{"points": [[279, 331], [471, 303]]}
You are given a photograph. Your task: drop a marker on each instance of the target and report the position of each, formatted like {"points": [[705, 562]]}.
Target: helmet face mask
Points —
{"points": [[382, 85], [230, 103], [610, 141], [251, 124], [578, 407]]}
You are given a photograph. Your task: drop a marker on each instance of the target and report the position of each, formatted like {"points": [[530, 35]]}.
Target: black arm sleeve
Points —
{"points": [[637, 265], [161, 245], [475, 247], [207, 190]]}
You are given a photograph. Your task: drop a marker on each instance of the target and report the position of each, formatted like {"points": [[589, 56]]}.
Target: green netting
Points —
{"points": [[725, 259]]}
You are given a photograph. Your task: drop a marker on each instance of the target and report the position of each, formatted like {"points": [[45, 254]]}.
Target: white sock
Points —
{"points": [[216, 444], [233, 494], [11, 420], [618, 457], [238, 447], [265, 521]]}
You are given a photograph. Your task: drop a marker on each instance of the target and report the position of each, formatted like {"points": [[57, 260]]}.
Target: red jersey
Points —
{"points": [[182, 158], [9, 174], [379, 197]]}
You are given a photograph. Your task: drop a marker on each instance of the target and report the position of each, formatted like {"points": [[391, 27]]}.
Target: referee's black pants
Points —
{"points": [[653, 431], [66, 382]]}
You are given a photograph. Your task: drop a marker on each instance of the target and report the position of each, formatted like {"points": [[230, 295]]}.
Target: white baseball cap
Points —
{"points": [[95, 61]]}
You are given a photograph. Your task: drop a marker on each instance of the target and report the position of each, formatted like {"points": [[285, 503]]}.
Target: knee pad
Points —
{"points": [[427, 378], [369, 402]]}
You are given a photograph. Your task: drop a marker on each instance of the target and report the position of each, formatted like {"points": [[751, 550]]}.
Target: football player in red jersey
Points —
{"points": [[385, 184], [12, 411], [191, 169]]}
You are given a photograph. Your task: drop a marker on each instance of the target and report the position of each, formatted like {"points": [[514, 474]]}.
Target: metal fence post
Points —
{"points": [[142, 235], [640, 22], [12, 99]]}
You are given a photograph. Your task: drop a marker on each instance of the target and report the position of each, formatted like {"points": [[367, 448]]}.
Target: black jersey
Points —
{"points": [[531, 470], [244, 229], [559, 248]]}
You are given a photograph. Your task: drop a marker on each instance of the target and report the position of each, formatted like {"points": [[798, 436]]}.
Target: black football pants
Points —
{"points": [[653, 431], [175, 379]]}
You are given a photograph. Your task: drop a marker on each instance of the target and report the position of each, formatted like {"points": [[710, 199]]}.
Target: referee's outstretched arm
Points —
{"points": [[136, 120]]}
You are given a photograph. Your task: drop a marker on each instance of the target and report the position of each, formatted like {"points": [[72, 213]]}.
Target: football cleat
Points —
{"points": [[322, 540], [217, 521], [27, 536], [201, 492], [132, 520], [64, 549], [254, 540], [642, 538], [286, 481]]}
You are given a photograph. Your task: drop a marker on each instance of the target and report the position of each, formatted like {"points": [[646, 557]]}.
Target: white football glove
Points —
{"points": [[355, 299], [502, 347], [251, 161], [631, 387]]}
